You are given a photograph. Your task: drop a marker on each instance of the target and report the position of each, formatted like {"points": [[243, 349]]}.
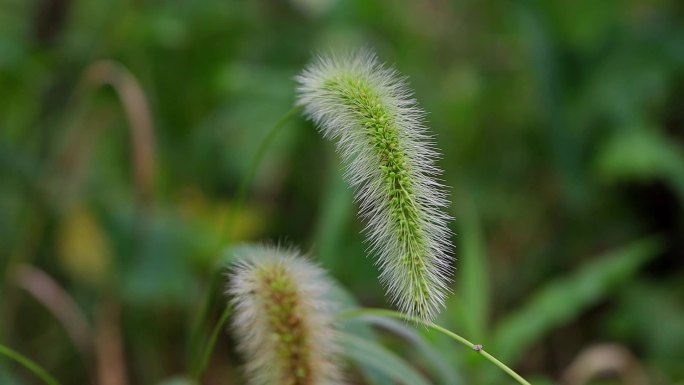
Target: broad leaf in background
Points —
{"points": [[563, 299], [336, 214], [643, 154], [446, 371], [360, 329], [367, 354], [472, 276]]}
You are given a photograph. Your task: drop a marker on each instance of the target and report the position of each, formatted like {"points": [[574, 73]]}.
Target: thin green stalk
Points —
{"points": [[241, 195], [477, 348], [200, 362], [28, 364], [209, 348], [202, 319]]}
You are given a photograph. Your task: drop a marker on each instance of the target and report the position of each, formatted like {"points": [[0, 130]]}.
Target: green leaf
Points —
{"points": [[27, 363], [643, 154], [336, 214], [473, 276], [357, 327], [371, 355], [434, 358], [564, 298]]}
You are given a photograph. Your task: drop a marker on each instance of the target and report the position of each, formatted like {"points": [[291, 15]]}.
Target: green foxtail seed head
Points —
{"points": [[283, 318], [369, 110]]}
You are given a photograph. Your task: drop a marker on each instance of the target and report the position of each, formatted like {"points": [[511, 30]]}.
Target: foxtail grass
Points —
{"points": [[283, 318], [369, 111]]}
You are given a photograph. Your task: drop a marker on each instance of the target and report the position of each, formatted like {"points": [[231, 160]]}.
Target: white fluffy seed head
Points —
{"points": [[283, 318], [379, 129]]}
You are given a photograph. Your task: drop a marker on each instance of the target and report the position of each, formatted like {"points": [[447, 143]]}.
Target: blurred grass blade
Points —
{"points": [[433, 357], [548, 78], [473, 276], [642, 155], [336, 213], [368, 354], [28, 364], [563, 299], [136, 108], [360, 329], [139, 116], [246, 181], [206, 353], [57, 300]]}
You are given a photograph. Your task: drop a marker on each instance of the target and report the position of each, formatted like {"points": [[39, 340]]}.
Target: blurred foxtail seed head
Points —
{"points": [[283, 318]]}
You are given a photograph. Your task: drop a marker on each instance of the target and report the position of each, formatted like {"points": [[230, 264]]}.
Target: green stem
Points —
{"points": [[202, 319], [253, 166], [204, 360], [477, 348], [240, 198], [28, 364]]}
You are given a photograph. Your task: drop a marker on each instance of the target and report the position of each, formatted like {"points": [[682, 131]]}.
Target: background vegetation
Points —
{"points": [[561, 124]]}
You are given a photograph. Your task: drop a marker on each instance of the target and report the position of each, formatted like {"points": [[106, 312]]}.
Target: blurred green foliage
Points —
{"points": [[561, 125]]}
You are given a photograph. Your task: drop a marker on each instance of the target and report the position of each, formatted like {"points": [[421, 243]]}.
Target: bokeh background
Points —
{"points": [[127, 128]]}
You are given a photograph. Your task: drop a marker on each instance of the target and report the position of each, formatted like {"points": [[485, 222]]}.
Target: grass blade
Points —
{"points": [[365, 353], [28, 364], [564, 298]]}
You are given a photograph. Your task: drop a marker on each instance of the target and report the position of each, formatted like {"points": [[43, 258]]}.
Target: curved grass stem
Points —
{"points": [[200, 362], [462, 340], [253, 166], [209, 348], [28, 364]]}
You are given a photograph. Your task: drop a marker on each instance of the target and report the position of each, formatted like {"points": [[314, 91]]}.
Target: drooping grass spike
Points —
{"points": [[368, 109], [283, 318]]}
